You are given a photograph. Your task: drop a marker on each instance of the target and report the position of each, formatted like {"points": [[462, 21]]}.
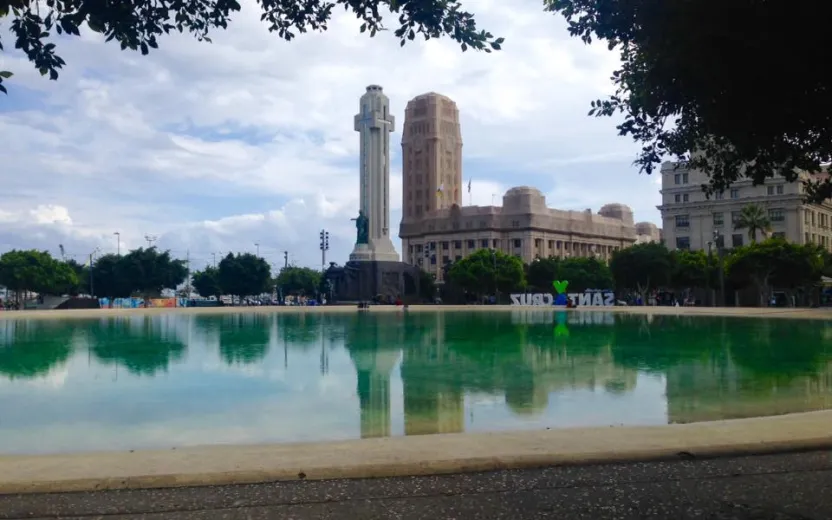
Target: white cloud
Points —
{"points": [[213, 147]]}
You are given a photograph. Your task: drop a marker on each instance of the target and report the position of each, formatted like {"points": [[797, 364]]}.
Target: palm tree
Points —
{"points": [[753, 218]]}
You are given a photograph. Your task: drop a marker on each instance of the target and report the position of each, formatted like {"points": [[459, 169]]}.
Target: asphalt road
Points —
{"points": [[772, 487]]}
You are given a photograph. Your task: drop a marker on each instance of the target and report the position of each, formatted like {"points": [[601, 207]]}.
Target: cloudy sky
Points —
{"points": [[212, 148]]}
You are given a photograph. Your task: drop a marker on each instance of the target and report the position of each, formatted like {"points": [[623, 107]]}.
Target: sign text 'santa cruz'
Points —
{"points": [[587, 299]]}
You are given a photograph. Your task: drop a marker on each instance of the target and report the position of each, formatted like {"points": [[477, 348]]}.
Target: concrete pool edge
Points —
{"points": [[745, 312], [410, 456]]}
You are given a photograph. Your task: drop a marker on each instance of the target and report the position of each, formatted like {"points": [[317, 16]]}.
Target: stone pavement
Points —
{"points": [[771, 487]]}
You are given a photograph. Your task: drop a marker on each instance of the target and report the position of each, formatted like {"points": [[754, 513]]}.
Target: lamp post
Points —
{"points": [[496, 290], [719, 240], [257, 245], [92, 286], [118, 243]]}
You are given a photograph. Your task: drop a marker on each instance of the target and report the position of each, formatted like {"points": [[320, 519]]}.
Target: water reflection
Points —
{"points": [[291, 377]]}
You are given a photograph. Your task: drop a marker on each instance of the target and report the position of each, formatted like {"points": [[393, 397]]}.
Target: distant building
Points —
{"points": [[647, 232], [437, 229], [689, 218], [523, 226]]}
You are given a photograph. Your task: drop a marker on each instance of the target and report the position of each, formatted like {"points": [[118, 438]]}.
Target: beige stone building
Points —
{"points": [[437, 229], [689, 218]]}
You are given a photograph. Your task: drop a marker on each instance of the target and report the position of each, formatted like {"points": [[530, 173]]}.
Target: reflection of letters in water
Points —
{"points": [[586, 299]]}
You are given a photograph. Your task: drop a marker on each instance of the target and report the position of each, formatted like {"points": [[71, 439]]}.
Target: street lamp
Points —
{"points": [[719, 240], [118, 243], [257, 245], [92, 286]]}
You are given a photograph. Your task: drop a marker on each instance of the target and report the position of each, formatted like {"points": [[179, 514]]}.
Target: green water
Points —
{"points": [[168, 381]]}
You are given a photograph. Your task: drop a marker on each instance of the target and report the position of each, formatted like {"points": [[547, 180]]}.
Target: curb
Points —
{"points": [[412, 456]]}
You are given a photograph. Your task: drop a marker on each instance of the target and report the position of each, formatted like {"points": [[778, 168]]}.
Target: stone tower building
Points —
{"points": [[431, 156]]}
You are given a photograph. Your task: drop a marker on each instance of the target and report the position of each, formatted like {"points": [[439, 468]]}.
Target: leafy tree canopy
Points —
{"points": [[109, 277], [298, 281], [690, 269], [35, 271], [483, 271], [243, 275], [148, 271], [754, 218], [207, 282], [137, 24], [754, 109], [581, 273], [641, 267]]}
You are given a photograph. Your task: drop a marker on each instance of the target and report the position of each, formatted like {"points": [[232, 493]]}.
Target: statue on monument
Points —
{"points": [[362, 228]]}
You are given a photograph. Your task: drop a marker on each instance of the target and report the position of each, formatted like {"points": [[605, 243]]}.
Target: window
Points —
{"points": [[517, 242], [779, 234], [719, 219], [677, 198], [719, 196], [471, 244], [769, 190], [682, 242], [484, 242], [685, 197], [458, 244], [776, 215], [433, 260], [444, 246], [684, 178], [677, 179], [495, 243], [779, 189], [446, 260], [735, 193], [433, 246], [682, 221], [515, 223], [551, 244], [735, 217], [458, 258], [736, 240]]}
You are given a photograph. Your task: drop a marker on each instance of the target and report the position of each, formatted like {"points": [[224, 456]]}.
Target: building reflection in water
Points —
{"points": [[374, 347]]}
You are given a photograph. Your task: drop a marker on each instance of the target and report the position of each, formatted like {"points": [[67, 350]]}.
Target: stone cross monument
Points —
{"points": [[374, 125]]}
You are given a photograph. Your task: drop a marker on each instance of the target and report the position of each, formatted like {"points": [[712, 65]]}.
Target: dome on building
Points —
{"points": [[617, 211], [523, 190], [646, 228]]}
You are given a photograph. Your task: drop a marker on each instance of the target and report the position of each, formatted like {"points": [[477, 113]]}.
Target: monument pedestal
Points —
{"points": [[373, 280], [376, 251]]}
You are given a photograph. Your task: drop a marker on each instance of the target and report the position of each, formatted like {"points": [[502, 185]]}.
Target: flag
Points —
{"points": [[469, 185]]}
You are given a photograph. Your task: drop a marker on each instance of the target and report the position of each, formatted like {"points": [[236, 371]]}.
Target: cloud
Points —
{"points": [[215, 147]]}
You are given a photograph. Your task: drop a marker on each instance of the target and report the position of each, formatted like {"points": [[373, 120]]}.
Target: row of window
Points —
{"points": [[816, 218], [428, 250], [774, 215], [734, 193], [737, 240]]}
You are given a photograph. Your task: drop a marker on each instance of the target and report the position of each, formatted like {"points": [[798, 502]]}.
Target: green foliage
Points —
{"points": [[690, 269], [298, 281], [82, 275], [243, 275], [754, 218], [207, 282], [110, 277], [147, 271], [672, 106], [581, 273], [427, 286], [136, 25], [641, 267], [483, 271], [35, 271]]}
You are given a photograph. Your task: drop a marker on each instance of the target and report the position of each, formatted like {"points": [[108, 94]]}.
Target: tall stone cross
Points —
{"points": [[375, 173]]}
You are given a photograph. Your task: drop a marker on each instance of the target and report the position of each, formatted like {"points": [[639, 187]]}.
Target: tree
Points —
{"points": [[689, 269], [485, 271], [82, 274], [542, 272], [147, 271], [206, 282], [109, 277], [672, 106], [753, 218], [243, 275], [584, 273], [754, 264], [35, 271], [299, 281], [136, 25], [641, 267]]}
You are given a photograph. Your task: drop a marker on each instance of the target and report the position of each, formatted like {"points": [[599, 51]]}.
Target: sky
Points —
{"points": [[208, 148]]}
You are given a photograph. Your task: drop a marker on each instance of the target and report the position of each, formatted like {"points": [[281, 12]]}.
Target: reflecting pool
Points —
{"points": [[164, 381]]}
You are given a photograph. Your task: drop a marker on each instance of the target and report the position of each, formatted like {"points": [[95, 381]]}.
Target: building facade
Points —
{"points": [[689, 218], [524, 226], [431, 156]]}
